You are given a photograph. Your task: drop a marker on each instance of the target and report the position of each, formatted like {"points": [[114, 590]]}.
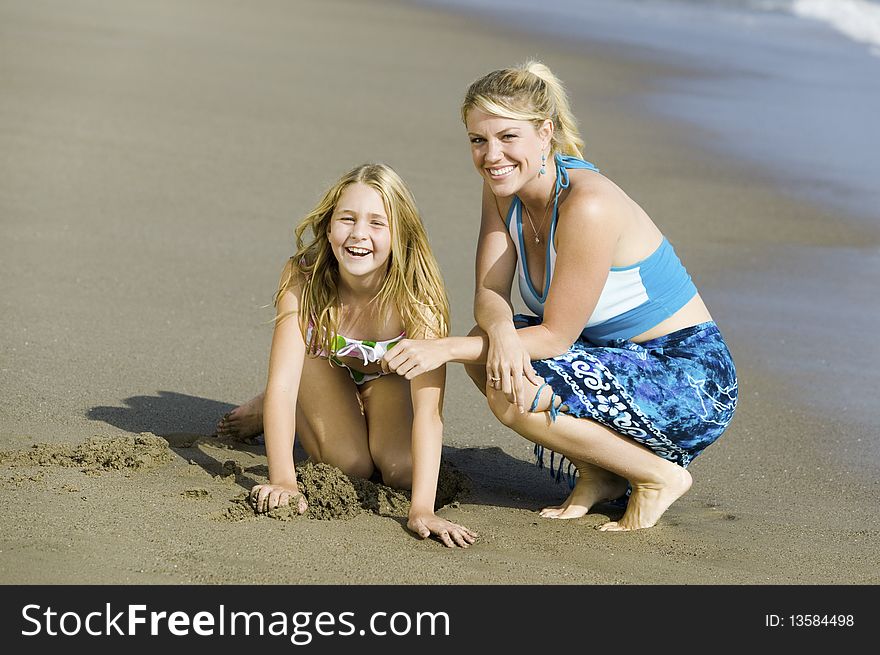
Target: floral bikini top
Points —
{"points": [[368, 351]]}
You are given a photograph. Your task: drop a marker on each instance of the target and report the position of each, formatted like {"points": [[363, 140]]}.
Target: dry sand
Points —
{"points": [[155, 158]]}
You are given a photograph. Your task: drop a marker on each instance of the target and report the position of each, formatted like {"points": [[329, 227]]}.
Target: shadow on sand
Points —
{"points": [[168, 412], [187, 423]]}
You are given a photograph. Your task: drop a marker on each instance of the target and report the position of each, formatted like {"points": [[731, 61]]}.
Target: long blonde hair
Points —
{"points": [[412, 286], [529, 92]]}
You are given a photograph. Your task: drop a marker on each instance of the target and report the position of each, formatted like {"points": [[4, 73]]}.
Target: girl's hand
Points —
{"points": [[412, 357], [507, 363], [266, 497], [451, 534]]}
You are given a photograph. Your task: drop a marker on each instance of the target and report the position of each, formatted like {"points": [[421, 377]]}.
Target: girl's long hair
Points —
{"points": [[530, 92], [412, 286]]}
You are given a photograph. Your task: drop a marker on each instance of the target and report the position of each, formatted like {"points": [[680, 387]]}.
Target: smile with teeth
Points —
{"points": [[502, 171], [357, 252]]}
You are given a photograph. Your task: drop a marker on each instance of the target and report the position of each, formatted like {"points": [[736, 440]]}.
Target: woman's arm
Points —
{"points": [[587, 232], [494, 269], [427, 443], [507, 359], [279, 408]]}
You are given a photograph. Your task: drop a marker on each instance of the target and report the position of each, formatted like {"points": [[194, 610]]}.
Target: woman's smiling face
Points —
{"points": [[506, 152]]}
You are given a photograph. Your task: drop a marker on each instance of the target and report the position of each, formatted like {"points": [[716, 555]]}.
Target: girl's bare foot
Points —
{"points": [[648, 502], [243, 422], [594, 485]]}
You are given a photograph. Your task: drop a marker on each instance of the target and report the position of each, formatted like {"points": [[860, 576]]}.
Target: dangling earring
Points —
{"points": [[543, 170]]}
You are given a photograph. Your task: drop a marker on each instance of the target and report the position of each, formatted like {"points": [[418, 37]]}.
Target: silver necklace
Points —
{"points": [[544, 220]]}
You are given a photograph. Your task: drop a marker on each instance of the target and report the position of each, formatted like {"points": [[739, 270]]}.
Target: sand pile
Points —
{"points": [[144, 451], [333, 495]]}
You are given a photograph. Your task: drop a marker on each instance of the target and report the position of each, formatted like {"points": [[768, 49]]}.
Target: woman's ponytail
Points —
{"points": [[530, 92]]}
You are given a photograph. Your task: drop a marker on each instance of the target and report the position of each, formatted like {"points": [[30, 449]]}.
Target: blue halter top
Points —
{"points": [[634, 299]]}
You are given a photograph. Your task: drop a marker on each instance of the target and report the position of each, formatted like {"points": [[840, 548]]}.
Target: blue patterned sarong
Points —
{"points": [[675, 394]]}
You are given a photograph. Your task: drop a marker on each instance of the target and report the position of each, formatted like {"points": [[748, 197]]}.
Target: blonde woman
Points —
{"points": [[621, 369], [363, 278]]}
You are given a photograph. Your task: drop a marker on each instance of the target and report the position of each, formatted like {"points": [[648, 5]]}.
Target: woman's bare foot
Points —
{"points": [[648, 502], [594, 485], [243, 422]]}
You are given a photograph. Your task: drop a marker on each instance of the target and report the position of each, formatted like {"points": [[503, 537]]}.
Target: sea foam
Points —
{"points": [[857, 19]]}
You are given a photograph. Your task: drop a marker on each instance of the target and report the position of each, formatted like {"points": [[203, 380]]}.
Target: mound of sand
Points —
{"points": [[144, 451], [330, 493], [333, 495]]}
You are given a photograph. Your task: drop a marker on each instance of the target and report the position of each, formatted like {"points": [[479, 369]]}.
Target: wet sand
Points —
{"points": [[155, 159]]}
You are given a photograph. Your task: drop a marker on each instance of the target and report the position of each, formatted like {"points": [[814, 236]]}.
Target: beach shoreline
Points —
{"points": [[157, 160]]}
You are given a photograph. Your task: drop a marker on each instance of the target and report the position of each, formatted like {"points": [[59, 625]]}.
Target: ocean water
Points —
{"points": [[792, 86], [859, 20]]}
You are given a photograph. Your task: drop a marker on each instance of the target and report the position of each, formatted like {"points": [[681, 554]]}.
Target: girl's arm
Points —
{"points": [[501, 350], [495, 267], [279, 408], [427, 443]]}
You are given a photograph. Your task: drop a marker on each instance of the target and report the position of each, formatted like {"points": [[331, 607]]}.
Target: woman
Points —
{"points": [[622, 370]]}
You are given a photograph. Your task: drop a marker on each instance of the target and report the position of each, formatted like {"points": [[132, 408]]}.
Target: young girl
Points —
{"points": [[363, 278], [621, 369]]}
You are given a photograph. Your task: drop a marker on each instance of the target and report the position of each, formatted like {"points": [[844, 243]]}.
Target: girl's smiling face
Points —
{"points": [[360, 233]]}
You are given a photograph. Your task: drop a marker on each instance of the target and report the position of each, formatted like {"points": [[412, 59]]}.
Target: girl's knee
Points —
{"points": [[352, 465], [359, 469], [396, 472]]}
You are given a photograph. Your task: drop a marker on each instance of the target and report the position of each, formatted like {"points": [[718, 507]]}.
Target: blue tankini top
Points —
{"points": [[634, 299]]}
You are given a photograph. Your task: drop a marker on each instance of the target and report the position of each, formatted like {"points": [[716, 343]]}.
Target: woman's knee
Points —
{"points": [[504, 410], [476, 331], [477, 372], [537, 400]]}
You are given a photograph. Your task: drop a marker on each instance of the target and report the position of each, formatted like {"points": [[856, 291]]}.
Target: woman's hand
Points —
{"points": [[266, 497], [451, 534], [412, 357], [507, 364]]}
